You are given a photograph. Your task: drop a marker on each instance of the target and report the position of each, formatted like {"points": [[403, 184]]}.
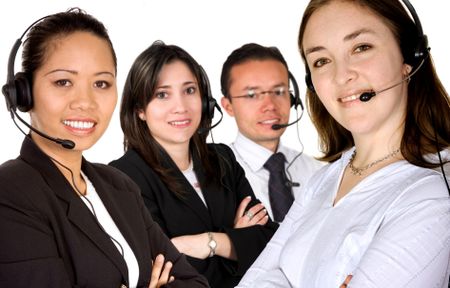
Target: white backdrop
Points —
{"points": [[209, 31]]}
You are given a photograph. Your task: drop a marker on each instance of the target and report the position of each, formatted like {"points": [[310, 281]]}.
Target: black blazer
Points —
{"points": [[49, 237], [188, 215]]}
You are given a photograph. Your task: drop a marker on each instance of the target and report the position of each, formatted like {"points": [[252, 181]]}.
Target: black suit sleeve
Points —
{"points": [[185, 275], [248, 242]]}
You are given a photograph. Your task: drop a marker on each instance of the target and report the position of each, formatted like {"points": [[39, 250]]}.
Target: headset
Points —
{"points": [[17, 90], [414, 58], [18, 93]]}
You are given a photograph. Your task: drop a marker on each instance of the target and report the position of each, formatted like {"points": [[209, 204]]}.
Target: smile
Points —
{"points": [[349, 98], [180, 123], [270, 121], [79, 124]]}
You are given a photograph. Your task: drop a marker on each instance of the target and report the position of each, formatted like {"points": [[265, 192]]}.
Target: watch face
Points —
{"points": [[212, 244]]}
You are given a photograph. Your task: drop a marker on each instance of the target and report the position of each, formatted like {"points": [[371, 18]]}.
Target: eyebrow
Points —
{"points": [[355, 34], [183, 84], [348, 37], [76, 73], [281, 84]]}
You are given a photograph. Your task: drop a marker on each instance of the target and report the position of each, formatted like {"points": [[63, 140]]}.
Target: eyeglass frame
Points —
{"points": [[253, 94]]}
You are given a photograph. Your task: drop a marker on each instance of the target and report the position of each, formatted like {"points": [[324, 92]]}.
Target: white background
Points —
{"points": [[209, 31]]}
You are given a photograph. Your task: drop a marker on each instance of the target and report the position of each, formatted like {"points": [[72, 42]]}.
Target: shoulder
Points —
{"points": [[13, 170], [112, 176], [422, 183], [222, 152], [220, 148], [130, 158], [23, 187], [11, 167]]}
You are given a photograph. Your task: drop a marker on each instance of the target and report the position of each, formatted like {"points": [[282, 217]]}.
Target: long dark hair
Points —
{"points": [[139, 90], [56, 26], [427, 122]]}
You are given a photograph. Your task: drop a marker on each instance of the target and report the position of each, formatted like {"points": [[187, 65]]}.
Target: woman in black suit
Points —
{"points": [[197, 192], [66, 222]]}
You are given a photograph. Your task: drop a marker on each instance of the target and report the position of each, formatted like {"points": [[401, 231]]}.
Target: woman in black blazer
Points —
{"points": [[197, 192], [66, 222]]}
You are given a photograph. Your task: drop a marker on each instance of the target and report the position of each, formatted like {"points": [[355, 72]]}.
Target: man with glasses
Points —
{"points": [[255, 85]]}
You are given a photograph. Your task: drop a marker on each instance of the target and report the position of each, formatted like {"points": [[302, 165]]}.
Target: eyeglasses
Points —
{"points": [[254, 94]]}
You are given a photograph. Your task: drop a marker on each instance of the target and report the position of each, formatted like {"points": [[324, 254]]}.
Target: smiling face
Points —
{"points": [[74, 91], [255, 116], [350, 50], [174, 112]]}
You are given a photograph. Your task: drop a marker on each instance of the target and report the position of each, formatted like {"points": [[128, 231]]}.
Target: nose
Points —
{"points": [[84, 98], [179, 105], [344, 73], [268, 101]]}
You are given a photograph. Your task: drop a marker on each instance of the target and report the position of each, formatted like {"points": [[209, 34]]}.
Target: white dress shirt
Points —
{"points": [[252, 156], [391, 230]]}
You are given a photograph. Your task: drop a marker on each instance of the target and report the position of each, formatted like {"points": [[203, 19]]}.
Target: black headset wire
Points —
{"points": [[292, 183], [441, 162], [122, 252]]}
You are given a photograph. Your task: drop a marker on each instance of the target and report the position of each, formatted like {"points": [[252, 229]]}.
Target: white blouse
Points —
{"points": [[105, 220], [391, 230]]}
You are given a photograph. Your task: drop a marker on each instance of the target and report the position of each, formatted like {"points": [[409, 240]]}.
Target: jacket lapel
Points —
{"points": [[190, 198], [212, 192], [77, 212], [104, 190]]}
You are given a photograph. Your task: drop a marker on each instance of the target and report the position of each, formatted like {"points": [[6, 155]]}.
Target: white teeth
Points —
{"points": [[269, 121], [349, 98], [79, 124], [177, 123]]}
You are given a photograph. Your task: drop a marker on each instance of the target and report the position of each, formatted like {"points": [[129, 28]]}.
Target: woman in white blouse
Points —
{"points": [[376, 216]]}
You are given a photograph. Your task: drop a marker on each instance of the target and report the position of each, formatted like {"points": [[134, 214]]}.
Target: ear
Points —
{"points": [[406, 69], [141, 114], [226, 104]]}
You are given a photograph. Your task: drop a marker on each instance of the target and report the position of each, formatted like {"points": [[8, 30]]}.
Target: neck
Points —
{"points": [[180, 155], [370, 149], [271, 145]]}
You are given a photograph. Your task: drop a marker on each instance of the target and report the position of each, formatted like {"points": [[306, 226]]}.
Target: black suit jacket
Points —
{"points": [[188, 215], [49, 238]]}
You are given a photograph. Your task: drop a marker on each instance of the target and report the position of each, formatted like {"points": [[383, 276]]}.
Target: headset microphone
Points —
{"points": [[68, 144], [366, 96], [281, 126]]}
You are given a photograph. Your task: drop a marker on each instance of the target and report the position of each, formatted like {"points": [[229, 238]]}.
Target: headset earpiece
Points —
{"points": [[24, 98], [18, 93], [208, 101], [17, 89], [295, 96], [421, 49], [308, 81]]}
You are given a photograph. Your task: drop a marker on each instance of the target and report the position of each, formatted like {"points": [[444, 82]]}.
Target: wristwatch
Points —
{"points": [[212, 244]]}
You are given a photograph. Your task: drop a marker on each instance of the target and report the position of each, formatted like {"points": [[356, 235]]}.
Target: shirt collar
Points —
{"points": [[252, 153]]}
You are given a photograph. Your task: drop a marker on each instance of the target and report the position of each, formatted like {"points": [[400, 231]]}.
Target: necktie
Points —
{"points": [[280, 193]]}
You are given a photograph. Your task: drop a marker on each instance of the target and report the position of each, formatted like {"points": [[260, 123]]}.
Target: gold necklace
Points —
{"points": [[359, 171]]}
